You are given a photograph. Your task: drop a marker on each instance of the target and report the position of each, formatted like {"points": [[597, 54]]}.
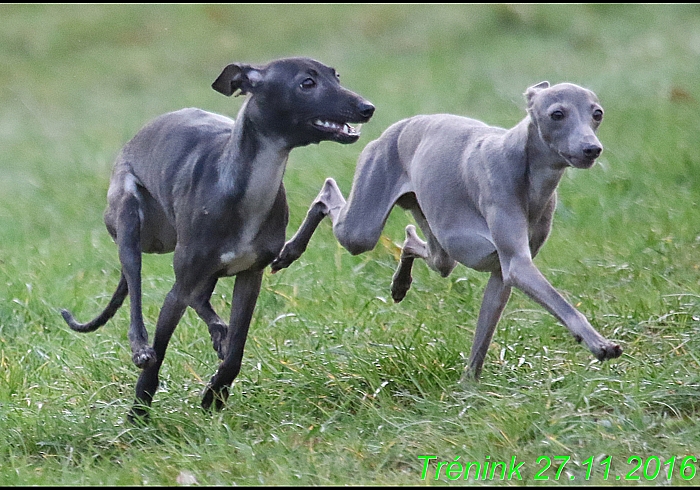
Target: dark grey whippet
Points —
{"points": [[210, 189], [482, 196]]}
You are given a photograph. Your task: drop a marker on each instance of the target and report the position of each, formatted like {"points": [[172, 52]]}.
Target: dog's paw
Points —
{"points": [[218, 339], [285, 258], [144, 357], [399, 290], [217, 397], [139, 415], [469, 377], [401, 283], [608, 351], [280, 263]]}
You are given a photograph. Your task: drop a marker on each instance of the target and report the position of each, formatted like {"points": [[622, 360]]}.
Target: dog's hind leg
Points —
{"points": [[415, 248], [357, 231], [128, 238], [496, 297], [117, 300], [357, 224], [328, 202], [245, 295]]}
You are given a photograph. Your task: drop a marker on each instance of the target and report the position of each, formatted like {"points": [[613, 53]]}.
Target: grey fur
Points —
{"points": [[483, 196]]}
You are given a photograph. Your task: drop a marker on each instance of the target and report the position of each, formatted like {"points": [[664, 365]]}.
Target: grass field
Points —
{"points": [[339, 385]]}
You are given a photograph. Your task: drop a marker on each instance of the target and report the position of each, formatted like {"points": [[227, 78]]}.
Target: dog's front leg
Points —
{"points": [[217, 328], [494, 302], [245, 295], [524, 275], [170, 315], [509, 233]]}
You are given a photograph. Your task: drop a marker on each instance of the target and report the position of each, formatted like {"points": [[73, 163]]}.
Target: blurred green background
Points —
{"points": [[339, 386]]}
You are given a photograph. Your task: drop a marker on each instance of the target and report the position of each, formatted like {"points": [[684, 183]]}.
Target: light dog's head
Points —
{"points": [[567, 117]]}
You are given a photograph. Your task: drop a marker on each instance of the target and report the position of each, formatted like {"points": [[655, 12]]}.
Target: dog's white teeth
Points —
{"points": [[352, 131], [343, 128], [326, 124]]}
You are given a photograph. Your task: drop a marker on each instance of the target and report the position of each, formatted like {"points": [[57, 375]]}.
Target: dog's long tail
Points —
{"points": [[114, 304]]}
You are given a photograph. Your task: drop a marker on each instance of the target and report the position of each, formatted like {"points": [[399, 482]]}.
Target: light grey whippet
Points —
{"points": [[482, 196], [210, 189]]}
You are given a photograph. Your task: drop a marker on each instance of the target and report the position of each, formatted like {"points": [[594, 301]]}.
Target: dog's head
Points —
{"points": [[297, 99], [567, 117]]}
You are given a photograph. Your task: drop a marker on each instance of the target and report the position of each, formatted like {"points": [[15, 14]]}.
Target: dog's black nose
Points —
{"points": [[366, 109], [592, 151]]}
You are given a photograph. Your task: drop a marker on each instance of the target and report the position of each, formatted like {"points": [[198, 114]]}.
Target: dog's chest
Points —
{"points": [[238, 260], [254, 216]]}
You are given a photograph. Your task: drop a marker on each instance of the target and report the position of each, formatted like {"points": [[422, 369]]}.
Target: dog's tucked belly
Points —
{"points": [[474, 250], [158, 238]]}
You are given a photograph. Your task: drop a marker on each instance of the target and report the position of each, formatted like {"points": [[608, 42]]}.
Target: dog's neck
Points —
{"points": [[255, 162], [545, 168]]}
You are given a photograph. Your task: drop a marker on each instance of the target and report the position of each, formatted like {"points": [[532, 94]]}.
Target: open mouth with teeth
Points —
{"points": [[342, 132]]}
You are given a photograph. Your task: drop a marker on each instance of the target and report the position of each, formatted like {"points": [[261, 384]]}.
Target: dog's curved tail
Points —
{"points": [[117, 299]]}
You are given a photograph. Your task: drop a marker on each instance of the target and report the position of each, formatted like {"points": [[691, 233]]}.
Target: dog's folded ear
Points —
{"points": [[237, 76], [531, 91]]}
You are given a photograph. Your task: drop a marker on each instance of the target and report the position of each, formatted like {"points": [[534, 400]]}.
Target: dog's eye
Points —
{"points": [[597, 115], [308, 83], [557, 115]]}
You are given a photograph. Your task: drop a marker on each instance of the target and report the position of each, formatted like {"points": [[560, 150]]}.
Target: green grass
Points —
{"points": [[339, 385]]}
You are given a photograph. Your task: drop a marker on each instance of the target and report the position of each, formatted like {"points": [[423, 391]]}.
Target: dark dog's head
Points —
{"points": [[297, 99], [567, 117]]}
